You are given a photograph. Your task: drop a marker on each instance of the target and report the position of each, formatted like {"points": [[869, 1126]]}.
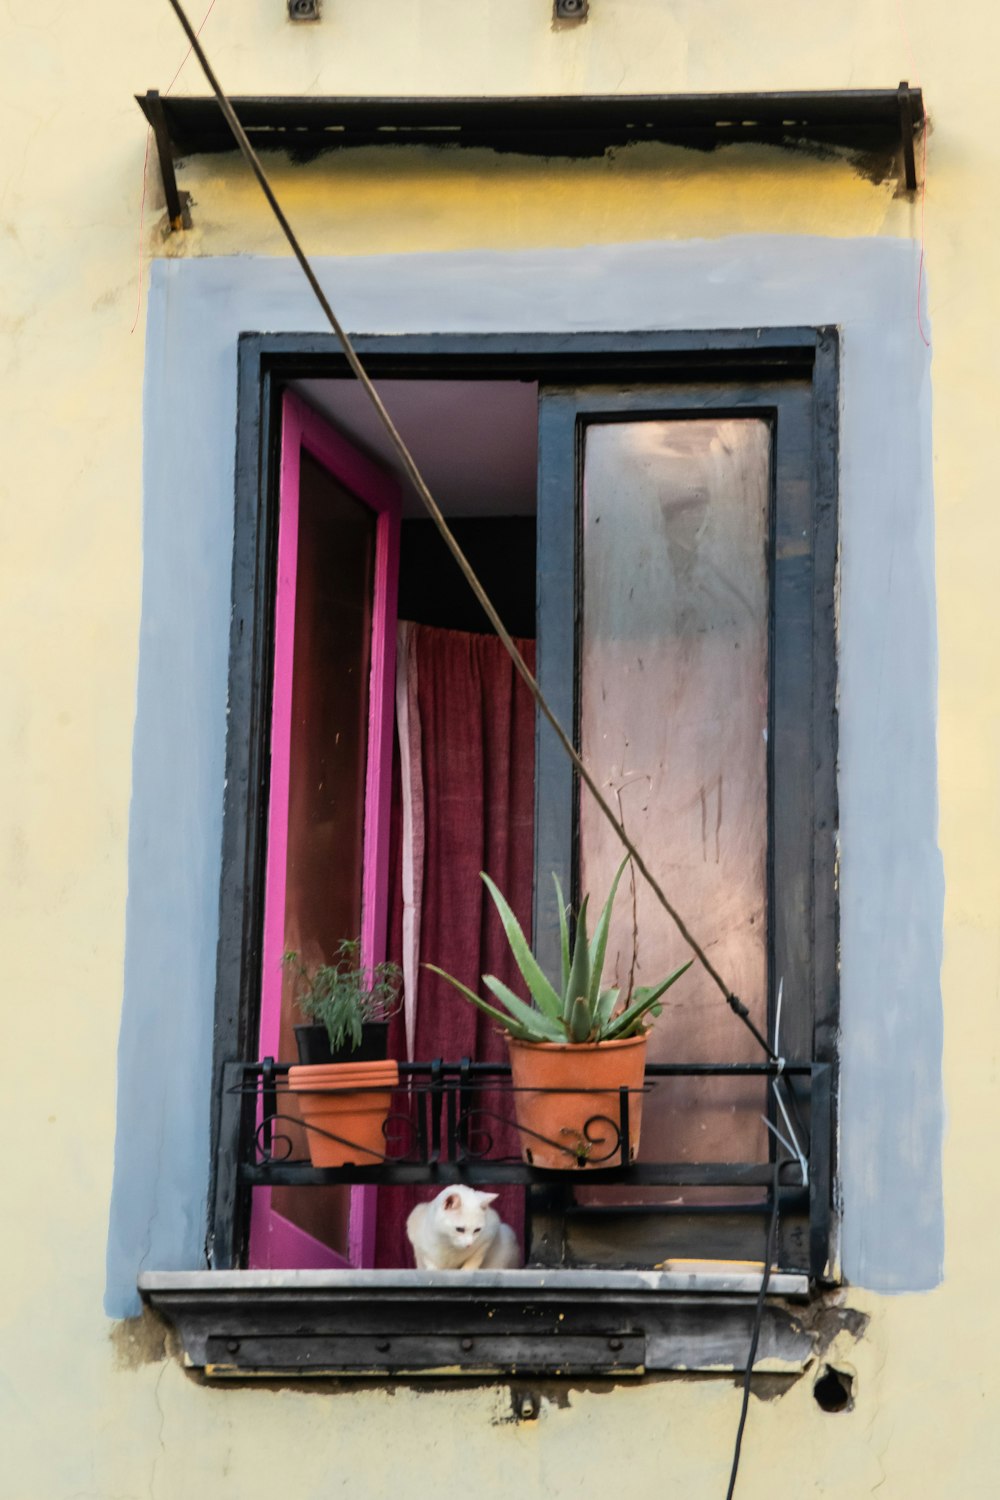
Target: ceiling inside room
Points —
{"points": [[475, 441]]}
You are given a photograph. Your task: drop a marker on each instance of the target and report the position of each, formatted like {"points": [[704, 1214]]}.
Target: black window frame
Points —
{"points": [[788, 377]]}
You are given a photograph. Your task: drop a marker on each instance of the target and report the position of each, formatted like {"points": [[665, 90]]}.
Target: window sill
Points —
{"points": [[439, 1324]]}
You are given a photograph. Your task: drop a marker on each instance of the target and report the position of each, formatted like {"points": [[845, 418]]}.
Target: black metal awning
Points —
{"points": [[876, 123]]}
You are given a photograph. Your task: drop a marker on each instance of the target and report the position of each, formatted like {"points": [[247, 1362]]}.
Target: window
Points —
{"points": [[685, 530]]}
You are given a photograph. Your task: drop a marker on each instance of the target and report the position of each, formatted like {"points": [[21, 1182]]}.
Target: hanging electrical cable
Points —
{"points": [[758, 1320]]}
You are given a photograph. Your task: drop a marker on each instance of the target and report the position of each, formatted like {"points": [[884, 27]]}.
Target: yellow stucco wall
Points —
{"points": [[87, 1408]]}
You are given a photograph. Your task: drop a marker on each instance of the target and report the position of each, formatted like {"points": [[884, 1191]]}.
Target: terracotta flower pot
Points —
{"points": [[349, 1101], [569, 1128]]}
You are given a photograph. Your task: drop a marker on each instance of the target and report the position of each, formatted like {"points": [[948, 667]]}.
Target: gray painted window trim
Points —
{"points": [[890, 874]]}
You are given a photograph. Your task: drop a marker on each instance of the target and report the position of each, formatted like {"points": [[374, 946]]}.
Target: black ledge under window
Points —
{"points": [[481, 1323], [664, 1272]]}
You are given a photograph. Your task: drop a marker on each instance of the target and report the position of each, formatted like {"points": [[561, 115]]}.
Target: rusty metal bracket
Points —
{"points": [[869, 121], [906, 135], [176, 205]]}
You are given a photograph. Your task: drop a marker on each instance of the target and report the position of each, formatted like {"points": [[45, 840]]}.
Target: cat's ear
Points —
{"points": [[452, 1202], [485, 1198]]}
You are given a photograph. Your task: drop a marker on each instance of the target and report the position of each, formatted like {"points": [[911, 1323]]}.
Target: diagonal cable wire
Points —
{"points": [[758, 1319], [431, 506]]}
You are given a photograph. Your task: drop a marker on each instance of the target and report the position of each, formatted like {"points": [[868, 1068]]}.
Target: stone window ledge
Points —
{"points": [[411, 1324]]}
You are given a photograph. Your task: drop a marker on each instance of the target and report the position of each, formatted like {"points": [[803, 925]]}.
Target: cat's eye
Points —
{"points": [[477, 1231]]}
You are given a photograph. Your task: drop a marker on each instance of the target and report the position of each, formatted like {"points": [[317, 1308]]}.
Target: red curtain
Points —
{"points": [[477, 726]]}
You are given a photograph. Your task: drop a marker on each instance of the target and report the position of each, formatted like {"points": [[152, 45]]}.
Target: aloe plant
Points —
{"points": [[583, 1011]]}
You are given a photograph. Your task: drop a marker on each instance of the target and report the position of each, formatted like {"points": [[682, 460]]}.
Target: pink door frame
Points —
{"points": [[274, 1241]]}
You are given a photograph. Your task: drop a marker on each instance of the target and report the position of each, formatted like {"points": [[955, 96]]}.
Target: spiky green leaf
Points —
{"points": [[600, 943], [542, 1028], [654, 991], [540, 989], [578, 985], [563, 933], [606, 1002], [628, 1023], [507, 1022], [581, 1020]]}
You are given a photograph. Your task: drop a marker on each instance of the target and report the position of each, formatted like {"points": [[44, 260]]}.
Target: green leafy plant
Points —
{"points": [[583, 1011], [343, 995]]}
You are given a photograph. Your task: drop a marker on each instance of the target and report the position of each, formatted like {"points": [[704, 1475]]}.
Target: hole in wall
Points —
{"points": [[526, 1405], [834, 1390]]}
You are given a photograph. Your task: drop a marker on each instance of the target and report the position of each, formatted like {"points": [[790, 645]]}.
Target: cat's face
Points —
{"points": [[462, 1215]]}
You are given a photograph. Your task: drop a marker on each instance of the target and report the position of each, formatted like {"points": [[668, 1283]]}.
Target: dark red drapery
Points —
{"points": [[476, 722]]}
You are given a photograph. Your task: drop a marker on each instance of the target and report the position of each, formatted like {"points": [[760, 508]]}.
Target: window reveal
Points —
{"points": [[728, 459]]}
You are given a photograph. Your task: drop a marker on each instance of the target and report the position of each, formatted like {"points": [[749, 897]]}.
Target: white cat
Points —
{"points": [[458, 1231]]}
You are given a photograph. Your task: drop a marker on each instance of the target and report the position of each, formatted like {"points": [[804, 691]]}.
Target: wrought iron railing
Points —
{"points": [[446, 1118]]}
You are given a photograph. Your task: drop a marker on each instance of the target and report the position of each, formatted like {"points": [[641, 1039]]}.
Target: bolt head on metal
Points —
{"points": [[570, 10], [303, 10]]}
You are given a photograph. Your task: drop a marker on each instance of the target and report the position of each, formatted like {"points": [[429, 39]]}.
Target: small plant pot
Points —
{"points": [[344, 1107], [565, 1128], [313, 1045]]}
